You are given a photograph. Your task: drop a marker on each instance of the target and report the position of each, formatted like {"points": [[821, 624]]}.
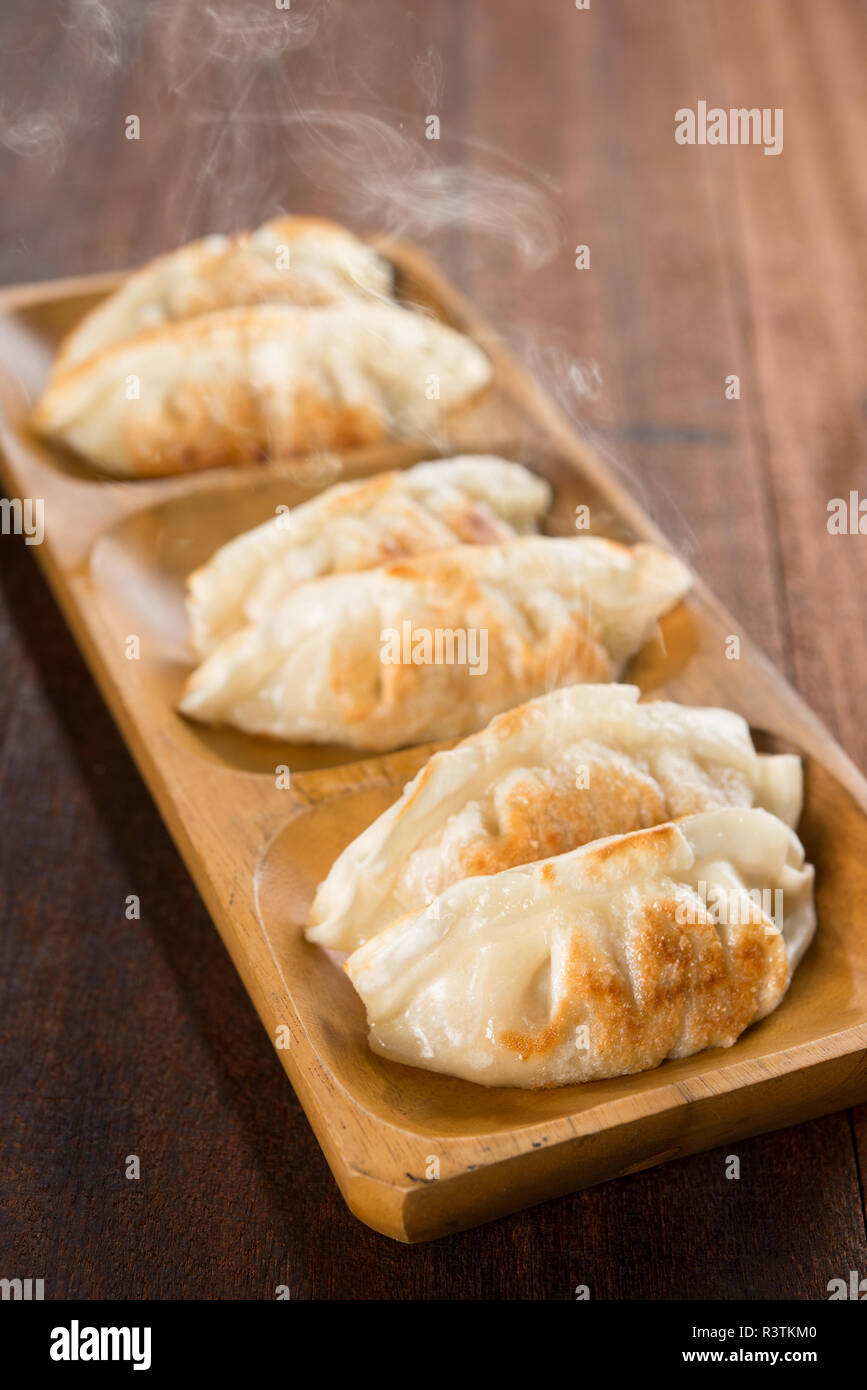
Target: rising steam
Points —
{"points": [[251, 88]]}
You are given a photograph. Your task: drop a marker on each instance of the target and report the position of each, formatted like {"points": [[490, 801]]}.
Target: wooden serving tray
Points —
{"points": [[116, 555]]}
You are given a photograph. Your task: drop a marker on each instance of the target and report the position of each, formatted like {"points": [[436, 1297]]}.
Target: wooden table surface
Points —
{"points": [[556, 129]]}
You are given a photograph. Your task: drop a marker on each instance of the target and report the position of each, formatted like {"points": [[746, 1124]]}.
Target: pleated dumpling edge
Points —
{"points": [[433, 647], [598, 963], [571, 766]]}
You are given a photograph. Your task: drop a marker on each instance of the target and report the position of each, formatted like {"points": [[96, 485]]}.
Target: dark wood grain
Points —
{"points": [[124, 1037]]}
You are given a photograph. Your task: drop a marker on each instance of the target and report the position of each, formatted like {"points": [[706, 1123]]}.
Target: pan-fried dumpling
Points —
{"points": [[290, 260], [572, 766], [242, 385], [601, 962], [433, 647], [357, 525]]}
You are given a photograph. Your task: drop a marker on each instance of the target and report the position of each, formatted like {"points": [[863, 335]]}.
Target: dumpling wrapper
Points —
{"points": [[328, 665], [572, 766], [291, 260], [599, 963], [267, 381], [357, 525]]}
